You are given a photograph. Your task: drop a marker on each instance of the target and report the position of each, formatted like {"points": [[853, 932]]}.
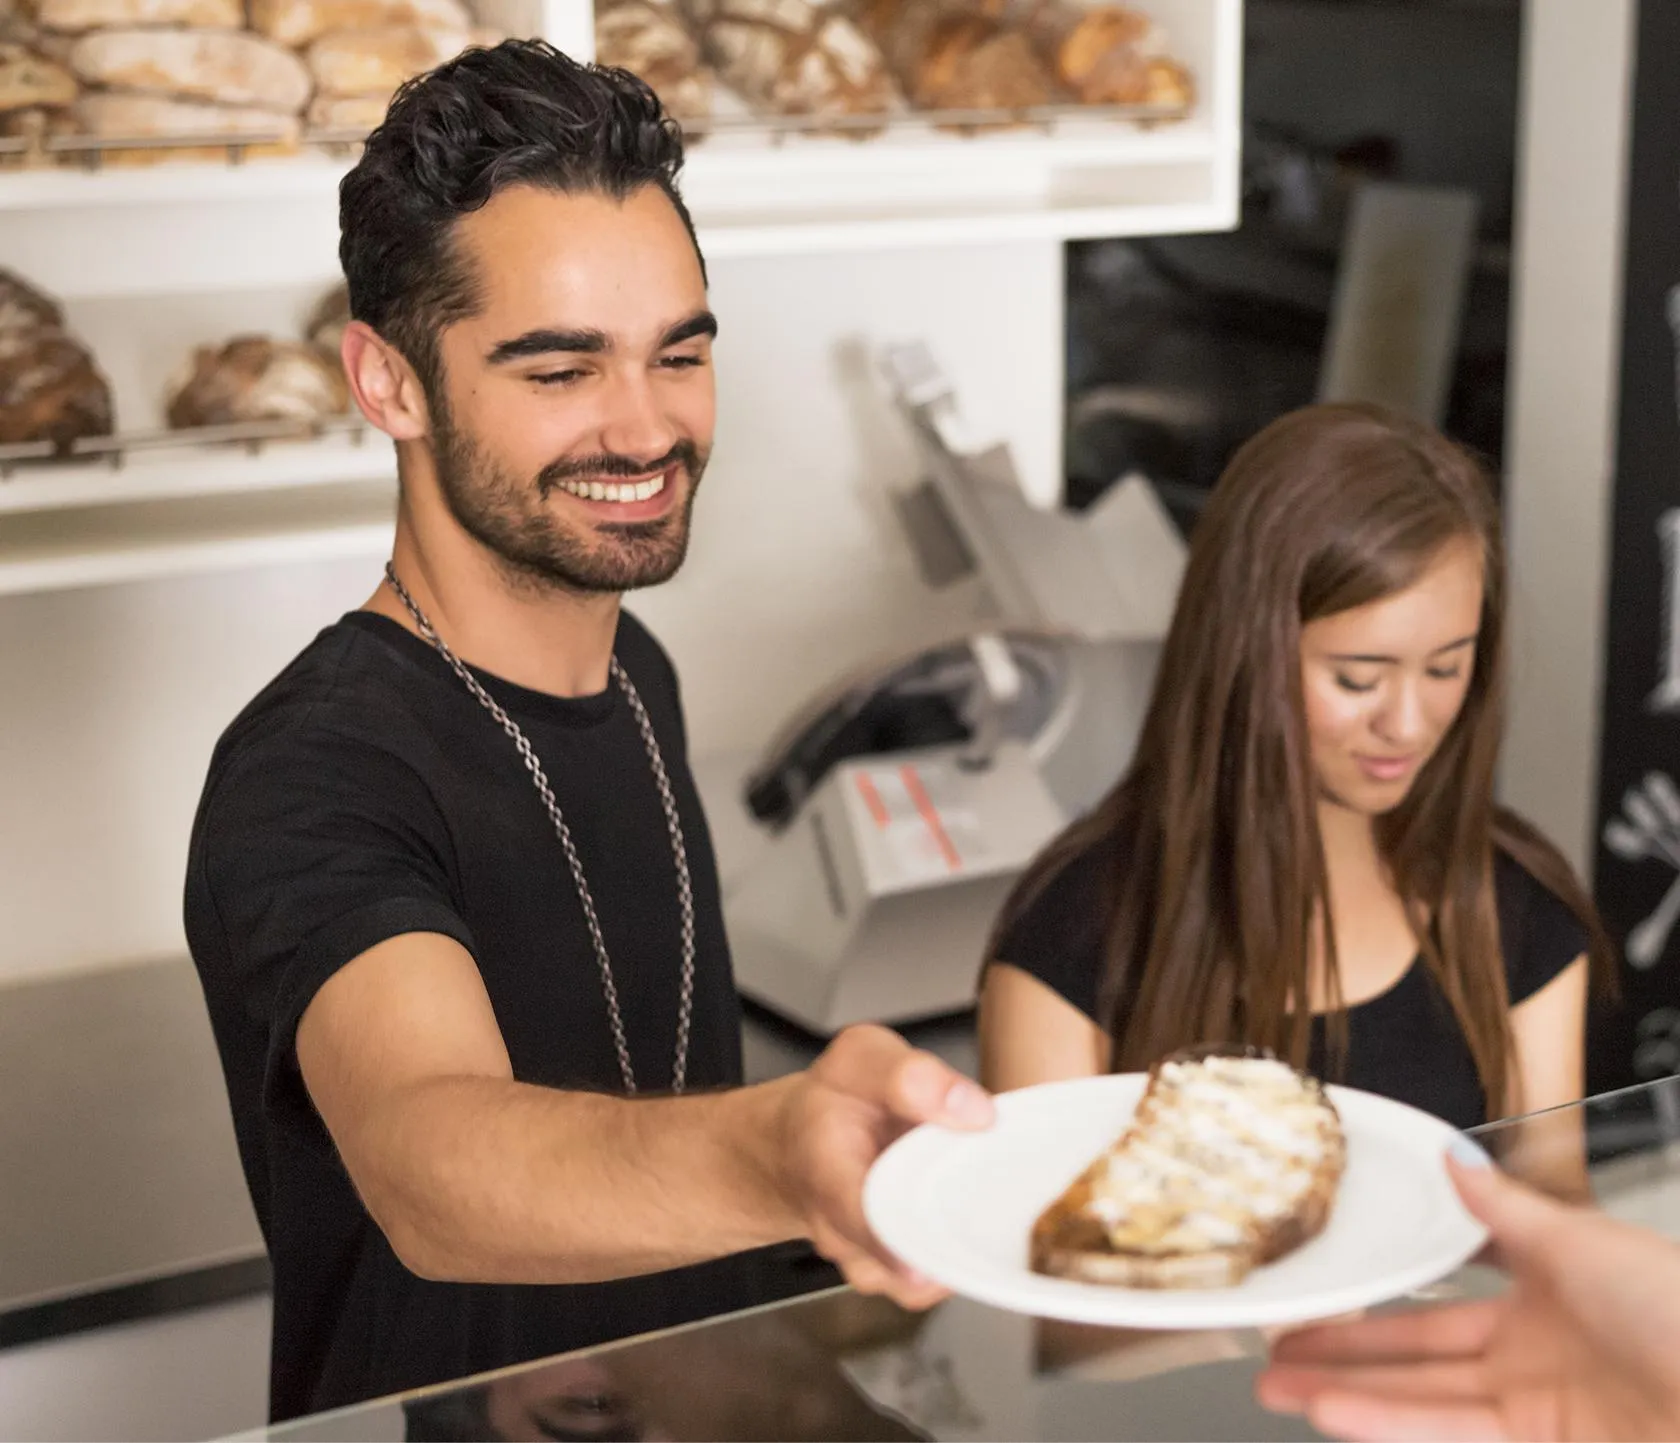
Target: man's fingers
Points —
{"points": [[924, 1089], [1460, 1330], [1361, 1418], [879, 1068], [870, 1275]]}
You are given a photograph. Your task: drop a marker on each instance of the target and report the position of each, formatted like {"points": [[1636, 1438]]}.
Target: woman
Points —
{"points": [[1305, 853]]}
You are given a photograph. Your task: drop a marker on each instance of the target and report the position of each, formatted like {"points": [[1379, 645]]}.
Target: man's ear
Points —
{"points": [[384, 385]]}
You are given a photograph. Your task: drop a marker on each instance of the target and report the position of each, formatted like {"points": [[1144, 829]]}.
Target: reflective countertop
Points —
{"points": [[840, 1366]]}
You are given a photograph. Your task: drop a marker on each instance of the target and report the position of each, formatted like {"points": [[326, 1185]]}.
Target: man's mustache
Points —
{"points": [[685, 454]]}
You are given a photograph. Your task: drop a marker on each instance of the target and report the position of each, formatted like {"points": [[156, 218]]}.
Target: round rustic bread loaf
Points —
{"points": [[255, 378], [50, 388], [652, 41]]}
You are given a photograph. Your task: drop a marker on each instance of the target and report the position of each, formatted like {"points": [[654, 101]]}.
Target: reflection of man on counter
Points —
{"points": [[451, 892]]}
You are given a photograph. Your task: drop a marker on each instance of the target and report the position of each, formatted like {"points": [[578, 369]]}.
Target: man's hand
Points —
{"points": [[866, 1090], [1581, 1347]]}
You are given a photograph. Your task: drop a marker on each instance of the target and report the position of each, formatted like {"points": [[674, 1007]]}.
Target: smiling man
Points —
{"points": [[451, 893]]}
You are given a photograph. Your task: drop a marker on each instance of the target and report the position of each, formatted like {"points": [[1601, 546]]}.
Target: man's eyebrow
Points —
{"points": [[586, 341], [701, 323], [546, 341]]}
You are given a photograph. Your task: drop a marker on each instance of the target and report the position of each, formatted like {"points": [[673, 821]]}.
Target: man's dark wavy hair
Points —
{"points": [[519, 113]]}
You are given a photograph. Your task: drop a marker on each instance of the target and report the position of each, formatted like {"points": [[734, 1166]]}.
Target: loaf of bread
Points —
{"points": [[72, 17], [951, 55], [358, 113], [652, 40], [1109, 54], [28, 80], [256, 378], [298, 22], [1230, 1162], [23, 308], [325, 327], [795, 57], [112, 113], [224, 67], [376, 60], [50, 387]]}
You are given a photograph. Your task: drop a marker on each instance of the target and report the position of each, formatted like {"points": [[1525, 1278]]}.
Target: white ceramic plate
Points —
{"points": [[959, 1208]]}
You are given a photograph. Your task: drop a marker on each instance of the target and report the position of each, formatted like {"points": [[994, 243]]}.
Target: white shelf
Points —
{"points": [[183, 474], [92, 546]]}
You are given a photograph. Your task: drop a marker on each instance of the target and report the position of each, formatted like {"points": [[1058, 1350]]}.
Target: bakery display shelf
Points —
{"points": [[205, 461], [146, 540]]}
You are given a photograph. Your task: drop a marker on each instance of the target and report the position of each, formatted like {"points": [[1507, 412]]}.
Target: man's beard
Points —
{"points": [[512, 519]]}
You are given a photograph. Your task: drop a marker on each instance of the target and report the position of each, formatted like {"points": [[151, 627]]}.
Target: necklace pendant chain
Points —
{"points": [[673, 823]]}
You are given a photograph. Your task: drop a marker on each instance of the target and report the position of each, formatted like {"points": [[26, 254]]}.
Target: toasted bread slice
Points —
{"points": [[1231, 1161]]}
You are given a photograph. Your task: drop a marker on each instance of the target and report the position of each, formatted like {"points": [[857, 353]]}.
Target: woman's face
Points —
{"points": [[1384, 682]]}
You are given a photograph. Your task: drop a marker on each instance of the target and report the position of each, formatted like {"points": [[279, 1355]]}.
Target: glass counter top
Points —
{"points": [[837, 1365]]}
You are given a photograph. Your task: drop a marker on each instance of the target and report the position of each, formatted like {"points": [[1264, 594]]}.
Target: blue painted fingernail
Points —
{"points": [[1467, 1153]]}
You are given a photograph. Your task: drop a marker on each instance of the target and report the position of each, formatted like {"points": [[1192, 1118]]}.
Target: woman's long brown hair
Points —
{"points": [[1211, 918]]}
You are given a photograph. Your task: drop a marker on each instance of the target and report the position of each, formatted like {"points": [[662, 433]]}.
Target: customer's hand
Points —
{"points": [[1584, 1345], [868, 1088]]}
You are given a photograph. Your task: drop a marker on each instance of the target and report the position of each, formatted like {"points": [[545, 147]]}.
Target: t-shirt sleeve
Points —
{"points": [[1058, 936], [1539, 934], [310, 849]]}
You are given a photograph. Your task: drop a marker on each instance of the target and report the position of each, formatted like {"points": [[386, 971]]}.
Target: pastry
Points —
{"points": [[650, 40], [72, 17], [376, 60], [950, 55], [325, 327], [50, 387], [298, 22], [255, 378], [28, 80], [223, 67], [1110, 54], [1230, 1162], [795, 57]]}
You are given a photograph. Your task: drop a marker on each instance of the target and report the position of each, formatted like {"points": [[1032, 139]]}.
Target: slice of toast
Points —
{"points": [[1231, 1161]]}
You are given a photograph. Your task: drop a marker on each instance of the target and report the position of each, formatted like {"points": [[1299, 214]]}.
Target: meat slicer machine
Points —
{"points": [[895, 811]]}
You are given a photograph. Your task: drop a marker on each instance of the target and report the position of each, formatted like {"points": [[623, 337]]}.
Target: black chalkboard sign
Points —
{"points": [[1638, 858]]}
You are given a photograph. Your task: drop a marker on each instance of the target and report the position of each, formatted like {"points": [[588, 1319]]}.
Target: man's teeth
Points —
{"points": [[615, 491]]}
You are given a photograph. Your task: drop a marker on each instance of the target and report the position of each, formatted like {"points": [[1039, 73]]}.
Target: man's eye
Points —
{"points": [[683, 363], [556, 378]]}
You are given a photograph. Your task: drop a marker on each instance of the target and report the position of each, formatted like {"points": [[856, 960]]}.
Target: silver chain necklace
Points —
{"points": [[667, 799]]}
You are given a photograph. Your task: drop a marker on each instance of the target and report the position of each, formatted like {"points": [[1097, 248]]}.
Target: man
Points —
{"points": [[451, 893], [1581, 1348]]}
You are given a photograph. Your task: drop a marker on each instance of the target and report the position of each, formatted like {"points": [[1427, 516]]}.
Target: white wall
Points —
{"points": [[110, 699], [1566, 325]]}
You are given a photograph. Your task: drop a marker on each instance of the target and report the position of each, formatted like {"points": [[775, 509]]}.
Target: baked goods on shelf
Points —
{"points": [[298, 22], [325, 327], [795, 57], [50, 387], [952, 55], [28, 80], [1231, 1162], [222, 67], [1109, 54], [75, 17], [163, 70], [651, 39], [376, 60], [256, 378]]}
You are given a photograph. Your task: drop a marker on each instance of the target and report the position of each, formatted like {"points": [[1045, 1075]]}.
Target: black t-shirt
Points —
{"points": [[366, 794], [1404, 1043]]}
